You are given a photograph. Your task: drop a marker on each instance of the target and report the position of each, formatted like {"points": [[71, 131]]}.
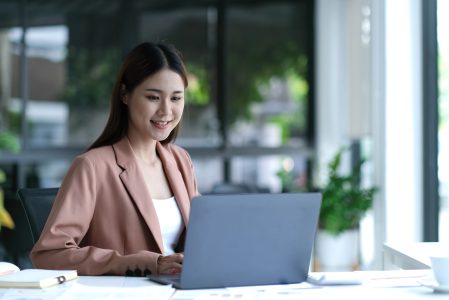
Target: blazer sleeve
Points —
{"points": [[59, 246]]}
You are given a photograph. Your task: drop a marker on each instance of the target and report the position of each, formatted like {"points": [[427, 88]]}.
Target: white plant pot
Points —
{"points": [[337, 253]]}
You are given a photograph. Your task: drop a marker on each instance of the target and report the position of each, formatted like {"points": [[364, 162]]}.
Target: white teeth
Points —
{"points": [[160, 123]]}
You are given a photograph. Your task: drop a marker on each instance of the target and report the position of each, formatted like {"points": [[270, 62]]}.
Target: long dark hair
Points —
{"points": [[144, 60]]}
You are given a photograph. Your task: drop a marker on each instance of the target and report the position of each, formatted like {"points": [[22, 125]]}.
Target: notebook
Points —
{"points": [[247, 239], [12, 277]]}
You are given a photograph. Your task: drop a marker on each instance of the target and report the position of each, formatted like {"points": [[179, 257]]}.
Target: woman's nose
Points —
{"points": [[164, 106]]}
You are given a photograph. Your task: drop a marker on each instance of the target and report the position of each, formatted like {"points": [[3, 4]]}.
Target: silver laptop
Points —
{"points": [[247, 239]]}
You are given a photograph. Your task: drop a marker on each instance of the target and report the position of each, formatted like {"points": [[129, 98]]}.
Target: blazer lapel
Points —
{"points": [[175, 180], [134, 183]]}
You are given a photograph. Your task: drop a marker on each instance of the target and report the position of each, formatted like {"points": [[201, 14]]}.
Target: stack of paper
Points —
{"points": [[36, 278]]}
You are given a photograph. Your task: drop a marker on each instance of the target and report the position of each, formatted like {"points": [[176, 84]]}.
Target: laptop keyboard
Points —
{"points": [[176, 280]]}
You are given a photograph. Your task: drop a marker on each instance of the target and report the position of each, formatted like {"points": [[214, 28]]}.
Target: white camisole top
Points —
{"points": [[170, 221]]}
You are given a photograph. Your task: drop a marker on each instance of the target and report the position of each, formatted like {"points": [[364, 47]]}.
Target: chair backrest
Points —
{"points": [[29, 210], [37, 203]]}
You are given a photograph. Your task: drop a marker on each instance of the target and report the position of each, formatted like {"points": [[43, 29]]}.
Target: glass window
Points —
{"points": [[9, 86], [271, 173], [209, 173], [200, 126], [47, 173], [268, 65], [9, 78], [73, 53], [443, 132], [46, 115]]}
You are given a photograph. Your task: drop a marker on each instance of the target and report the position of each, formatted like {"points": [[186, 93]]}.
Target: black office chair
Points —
{"points": [[29, 210], [37, 203]]}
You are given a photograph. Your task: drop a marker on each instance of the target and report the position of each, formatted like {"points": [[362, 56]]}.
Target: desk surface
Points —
{"points": [[376, 285]]}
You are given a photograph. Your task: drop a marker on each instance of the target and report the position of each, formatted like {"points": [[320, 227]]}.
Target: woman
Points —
{"points": [[123, 206]]}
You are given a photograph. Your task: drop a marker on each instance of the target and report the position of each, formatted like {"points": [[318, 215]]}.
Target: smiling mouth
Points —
{"points": [[160, 124]]}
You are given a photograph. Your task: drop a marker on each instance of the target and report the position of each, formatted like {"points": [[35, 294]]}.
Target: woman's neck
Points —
{"points": [[144, 149]]}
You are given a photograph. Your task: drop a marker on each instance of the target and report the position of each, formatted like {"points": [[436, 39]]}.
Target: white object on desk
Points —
{"points": [[335, 278], [433, 284], [411, 256], [7, 268], [36, 278], [395, 278], [440, 268]]}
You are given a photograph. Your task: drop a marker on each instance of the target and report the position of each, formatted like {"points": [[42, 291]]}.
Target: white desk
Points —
{"points": [[94, 287], [377, 285], [411, 256]]}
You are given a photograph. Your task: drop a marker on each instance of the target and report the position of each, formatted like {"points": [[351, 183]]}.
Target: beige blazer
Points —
{"points": [[103, 220]]}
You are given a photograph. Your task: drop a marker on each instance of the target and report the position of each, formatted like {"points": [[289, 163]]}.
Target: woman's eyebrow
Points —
{"points": [[160, 91], [153, 90]]}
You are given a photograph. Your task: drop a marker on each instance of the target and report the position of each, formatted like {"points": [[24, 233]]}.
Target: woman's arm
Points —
{"points": [[61, 243]]}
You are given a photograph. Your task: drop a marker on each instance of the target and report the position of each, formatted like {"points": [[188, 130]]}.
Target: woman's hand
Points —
{"points": [[170, 264]]}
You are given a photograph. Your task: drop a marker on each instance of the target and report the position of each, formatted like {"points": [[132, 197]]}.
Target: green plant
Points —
{"points": [[91, 77], [10, 143], [197, 92], [344, 202]]}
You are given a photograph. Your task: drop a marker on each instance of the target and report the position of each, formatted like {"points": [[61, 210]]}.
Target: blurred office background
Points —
{"points": [[275, 89]]}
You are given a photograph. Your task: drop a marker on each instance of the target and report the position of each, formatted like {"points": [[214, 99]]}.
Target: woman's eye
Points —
{"points": [[177, 98], [152, 97]]}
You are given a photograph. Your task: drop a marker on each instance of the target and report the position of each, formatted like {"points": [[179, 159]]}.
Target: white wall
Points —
{"points": [[392, 67], [331, 93], [344, 75], [403, 138]]}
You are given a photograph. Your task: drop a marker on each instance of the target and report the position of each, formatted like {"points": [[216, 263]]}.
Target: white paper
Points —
{"points": [[215, 294], [83, 292], [335, 278], [395, 278], [245, 292], [50, 293]]}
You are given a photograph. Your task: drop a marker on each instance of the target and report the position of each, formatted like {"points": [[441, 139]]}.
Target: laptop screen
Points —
{"points": [[249, 239]]}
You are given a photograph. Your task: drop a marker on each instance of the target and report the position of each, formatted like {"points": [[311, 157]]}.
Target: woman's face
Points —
{"points": [[155, 106]]}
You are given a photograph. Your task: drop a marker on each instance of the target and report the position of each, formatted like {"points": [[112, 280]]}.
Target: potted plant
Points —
{"points": [[344, 204]]}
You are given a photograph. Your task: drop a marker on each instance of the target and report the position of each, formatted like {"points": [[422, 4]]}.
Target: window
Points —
{"points": [[443, 128], [249, 112]]}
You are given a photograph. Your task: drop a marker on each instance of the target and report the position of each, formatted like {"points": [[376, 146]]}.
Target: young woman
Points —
{"points": [[123, 206]]}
